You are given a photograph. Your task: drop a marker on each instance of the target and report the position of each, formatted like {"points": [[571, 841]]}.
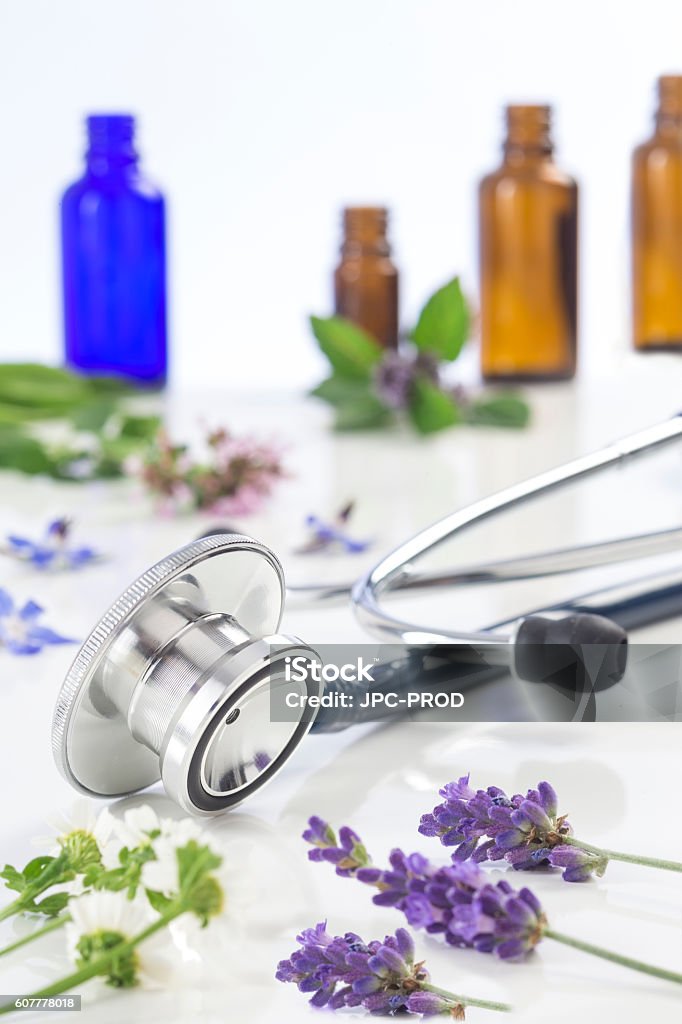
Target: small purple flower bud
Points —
{"points": [[429, 1004], [578, 864]]}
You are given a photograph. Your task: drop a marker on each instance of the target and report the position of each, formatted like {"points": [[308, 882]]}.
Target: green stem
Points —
{"points": [[15, 907], [628, 858], [100, 966], [484, 1004], [615, 958], [45, 930]]}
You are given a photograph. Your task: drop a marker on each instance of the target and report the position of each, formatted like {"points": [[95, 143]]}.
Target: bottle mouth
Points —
{"points": [[359, 220], [670, 95], [528, 127], [110, 132]]}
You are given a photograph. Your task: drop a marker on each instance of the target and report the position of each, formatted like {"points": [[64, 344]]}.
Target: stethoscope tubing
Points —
{"points": [[386, 575]]}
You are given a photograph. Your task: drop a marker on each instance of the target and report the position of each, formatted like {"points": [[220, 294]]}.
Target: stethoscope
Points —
{"points": [[177, 679]]}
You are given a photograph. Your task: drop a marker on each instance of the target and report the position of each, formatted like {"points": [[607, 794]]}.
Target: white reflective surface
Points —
{"points": [[618, 783]]}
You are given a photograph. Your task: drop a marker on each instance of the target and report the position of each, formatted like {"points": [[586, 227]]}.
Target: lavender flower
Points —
{"points": [[458, 902], [347, 854], [53, 551], [20, 631], [382, 977], [455, 901], [525, 831]]}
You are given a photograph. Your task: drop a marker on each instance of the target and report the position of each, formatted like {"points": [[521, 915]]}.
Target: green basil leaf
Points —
{"points": [[21, 452], [357, 407], [443, 324], [432, 409], [11, 414], [500, 411], [351, 351], [93, 414], [142, 428], [45, 387]]}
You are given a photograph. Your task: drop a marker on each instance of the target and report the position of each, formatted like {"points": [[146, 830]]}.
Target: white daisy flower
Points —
{"points": [[84, 817], [99, 918]]}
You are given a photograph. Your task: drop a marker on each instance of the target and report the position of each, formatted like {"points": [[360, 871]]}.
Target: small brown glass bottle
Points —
{"points": [[366, 281], [657, 227], [528, 257]]}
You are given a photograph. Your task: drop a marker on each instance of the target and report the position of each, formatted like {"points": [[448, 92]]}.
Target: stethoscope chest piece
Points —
{"points": [[177, 682]]}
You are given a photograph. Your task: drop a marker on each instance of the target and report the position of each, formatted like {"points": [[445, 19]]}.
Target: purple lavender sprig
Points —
{"points": [[382, 977], [456, 901], [348, 854], [525, 831]]}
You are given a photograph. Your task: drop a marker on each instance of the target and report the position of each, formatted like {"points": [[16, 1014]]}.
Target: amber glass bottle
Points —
{"points": [[528, 257], [366, 281], [657, 226]]}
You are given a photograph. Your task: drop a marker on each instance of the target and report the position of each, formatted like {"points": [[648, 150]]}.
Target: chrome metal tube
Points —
{"points": [[396, 567]]}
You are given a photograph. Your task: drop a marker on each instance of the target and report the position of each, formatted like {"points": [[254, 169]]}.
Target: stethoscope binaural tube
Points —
{"points": [[386, 576]]}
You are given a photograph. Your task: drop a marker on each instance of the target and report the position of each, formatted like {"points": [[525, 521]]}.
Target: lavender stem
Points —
{"points": [[615, 958], [628, 858]]}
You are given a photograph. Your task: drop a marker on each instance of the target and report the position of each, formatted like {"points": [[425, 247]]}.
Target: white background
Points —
{"points": [[261, 118]]}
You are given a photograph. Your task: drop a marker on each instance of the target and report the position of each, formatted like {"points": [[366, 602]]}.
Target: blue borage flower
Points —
{"points": [[53, 551], [326, 536], [20, 630], [382, 977]]}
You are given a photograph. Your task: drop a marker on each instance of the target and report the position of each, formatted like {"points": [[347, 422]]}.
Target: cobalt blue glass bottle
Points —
{"points": [[113, 259]]}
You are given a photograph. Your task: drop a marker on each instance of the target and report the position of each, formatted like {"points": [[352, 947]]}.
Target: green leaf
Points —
{"points": [[21, 452], [14, 415], [432, 409], [443, 324], [143, 428], [351, 351], [35, 867], [13, 879], [356, 405], [93, 414], [115, 386], [159, 902], [194, 863], [45, 387], [52, 905], [501, 411]]}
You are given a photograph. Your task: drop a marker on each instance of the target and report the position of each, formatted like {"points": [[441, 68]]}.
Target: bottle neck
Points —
{"points": [[669, 113], [111, 146], [365, 232], [528, 139]]}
